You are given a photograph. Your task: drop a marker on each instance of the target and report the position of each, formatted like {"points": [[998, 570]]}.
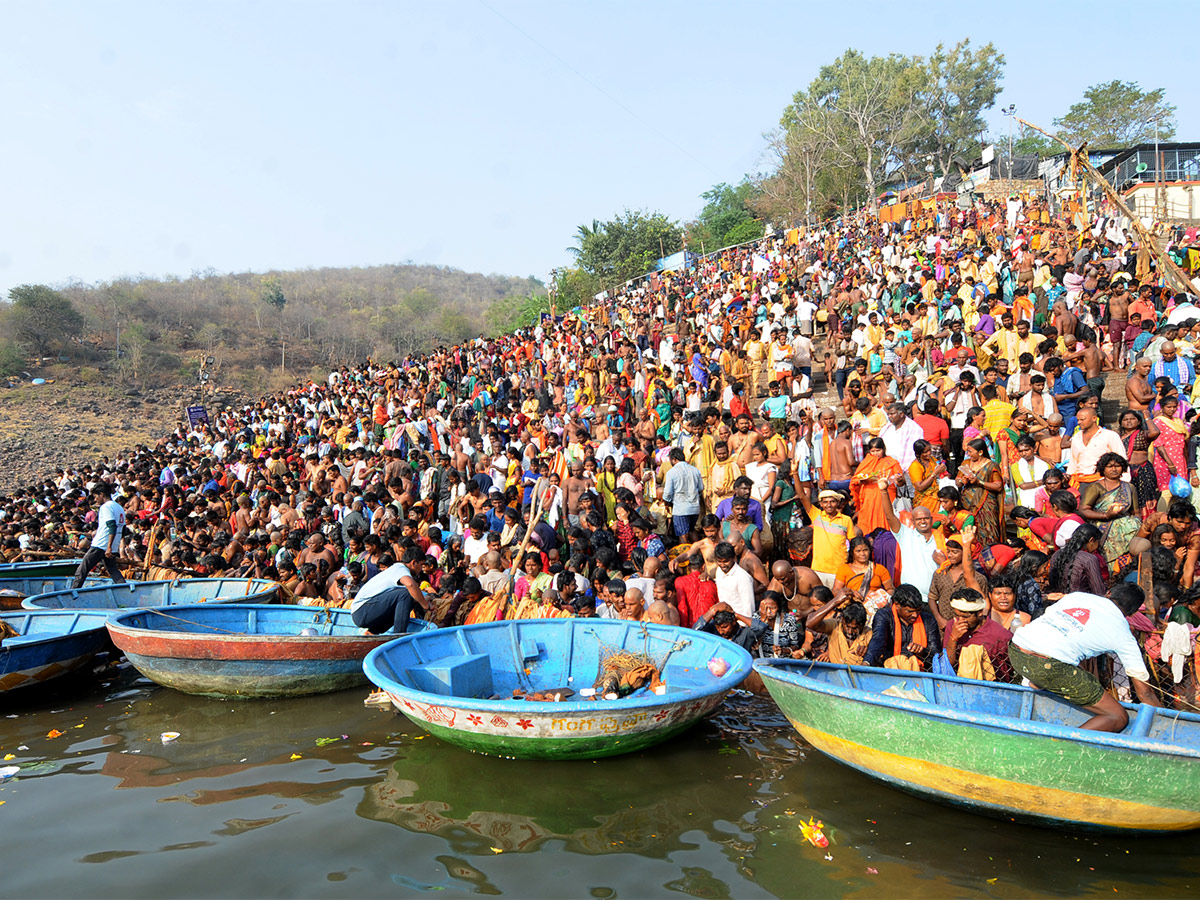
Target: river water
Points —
{"points": [[324, 797]]}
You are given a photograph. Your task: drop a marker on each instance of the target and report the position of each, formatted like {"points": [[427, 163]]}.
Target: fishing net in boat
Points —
{"points": [[623, 671]]}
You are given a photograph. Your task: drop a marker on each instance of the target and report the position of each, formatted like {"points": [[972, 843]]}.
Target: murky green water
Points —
{"points": [[324, 797]]}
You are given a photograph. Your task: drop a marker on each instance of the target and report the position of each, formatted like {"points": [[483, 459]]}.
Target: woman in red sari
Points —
{"points": [[865, 486], [1168, 451]]}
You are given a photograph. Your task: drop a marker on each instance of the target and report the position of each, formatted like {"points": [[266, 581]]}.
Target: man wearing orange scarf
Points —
{"points": [[904, 634], [822, 441]]}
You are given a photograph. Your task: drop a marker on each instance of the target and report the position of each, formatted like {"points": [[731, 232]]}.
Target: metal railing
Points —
{"points": [[1177, 165]]}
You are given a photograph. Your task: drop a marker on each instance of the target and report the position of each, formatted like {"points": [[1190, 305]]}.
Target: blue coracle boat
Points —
{"points": [[459, 683], [998, 749], [14, 590], [243, 650], [145, 594], [48, 644]]}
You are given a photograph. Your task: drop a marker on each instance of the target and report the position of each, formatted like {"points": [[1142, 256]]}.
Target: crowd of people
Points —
{"points": [[870, 442]]}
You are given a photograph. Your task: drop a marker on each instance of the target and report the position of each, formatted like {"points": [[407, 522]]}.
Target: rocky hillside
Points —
{"points": [[72, 420]]}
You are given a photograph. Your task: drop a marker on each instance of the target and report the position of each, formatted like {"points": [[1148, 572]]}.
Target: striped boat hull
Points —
{"points": [[245, 651], [1012, 769], [52, 644]]}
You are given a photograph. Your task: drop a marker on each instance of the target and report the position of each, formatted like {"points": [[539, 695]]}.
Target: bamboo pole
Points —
{"points": [[150, 549], [1171, 273]]}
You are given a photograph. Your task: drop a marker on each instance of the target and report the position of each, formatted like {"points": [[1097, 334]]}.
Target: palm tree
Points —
{"points": [[582, 233]]}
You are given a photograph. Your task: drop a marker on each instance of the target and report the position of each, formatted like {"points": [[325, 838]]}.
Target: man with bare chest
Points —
{"points": [[1118, 323], [795, 583], [742, 441], [574, 488], [1091, 360], [321, 556], [1066, 323], [841, 466], [1138, 391]]}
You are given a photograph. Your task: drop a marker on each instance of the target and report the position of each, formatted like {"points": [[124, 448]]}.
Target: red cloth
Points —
{"points": [[1001, 555], [934, 428], [994, 638], [696, 597]]}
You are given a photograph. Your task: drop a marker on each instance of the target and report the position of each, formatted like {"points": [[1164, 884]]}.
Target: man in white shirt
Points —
{"points": [[475, 539], [386, 601], [899, 435], [106, 543], [805, 311], [1048, 650], [735, 585], [1089, 444], [919, 554]]}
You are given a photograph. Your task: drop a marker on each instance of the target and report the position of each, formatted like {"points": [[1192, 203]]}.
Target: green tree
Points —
{"points": [[516, 311], [576, 288], [727, 217], [12, 360], [1117, 114], [957, 85], [1033, 143], [1026, 142], [864, 110], [42, 318], [453, 327], [135, 344], [272, 294], [627, 246]]}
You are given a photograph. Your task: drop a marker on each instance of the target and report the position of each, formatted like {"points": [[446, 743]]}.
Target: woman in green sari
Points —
{"points": [[981, 486], [1110, 504], [606, 481]]}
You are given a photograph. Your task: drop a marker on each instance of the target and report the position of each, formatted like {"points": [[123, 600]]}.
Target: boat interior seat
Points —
{"points": [[455, 676], [679, 677], [1139, 725]]}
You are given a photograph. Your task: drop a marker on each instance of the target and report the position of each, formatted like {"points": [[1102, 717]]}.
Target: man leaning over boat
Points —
{"points": [[1049, 649]]}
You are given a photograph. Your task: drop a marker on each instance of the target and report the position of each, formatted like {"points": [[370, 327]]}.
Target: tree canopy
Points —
{"points": [[864, 122], [627, 246], [726, 219], [41, 318], [1117, 114]]}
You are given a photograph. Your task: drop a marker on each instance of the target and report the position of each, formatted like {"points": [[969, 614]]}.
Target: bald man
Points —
{"points": [[492, 577], [795, 583], [633, 606], [661, 613]]}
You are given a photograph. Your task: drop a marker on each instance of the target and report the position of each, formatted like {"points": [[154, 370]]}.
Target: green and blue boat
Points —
{"points": [[999, 749], [147, 594], [40, 568]]}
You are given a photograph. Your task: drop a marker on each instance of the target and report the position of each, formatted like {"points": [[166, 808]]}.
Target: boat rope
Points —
{"points": [[159, 612], [676, 643]]}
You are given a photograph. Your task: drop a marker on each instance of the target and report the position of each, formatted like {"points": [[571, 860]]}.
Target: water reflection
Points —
{"points": [[626, 804]]}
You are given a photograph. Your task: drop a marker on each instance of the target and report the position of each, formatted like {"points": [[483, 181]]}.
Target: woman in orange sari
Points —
{"points": [[865, 486], [924, 472]]}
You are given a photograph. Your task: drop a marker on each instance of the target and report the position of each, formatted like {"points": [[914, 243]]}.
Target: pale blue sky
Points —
{"points": [[167, 137]]}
